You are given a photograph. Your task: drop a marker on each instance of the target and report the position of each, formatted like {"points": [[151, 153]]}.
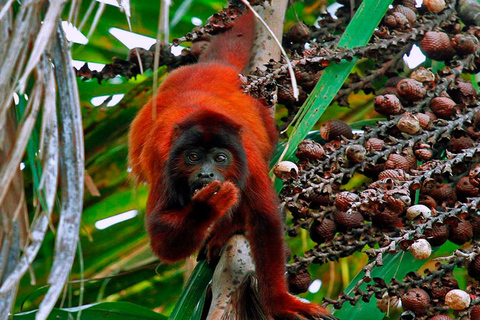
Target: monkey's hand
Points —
{"points": [[218, 196]]}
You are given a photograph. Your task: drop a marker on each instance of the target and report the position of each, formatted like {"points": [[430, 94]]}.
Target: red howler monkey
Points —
{"points": [[204, 152]]}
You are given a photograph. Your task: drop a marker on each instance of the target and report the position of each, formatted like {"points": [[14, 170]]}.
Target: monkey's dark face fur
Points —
{"points": [[200, 156]]}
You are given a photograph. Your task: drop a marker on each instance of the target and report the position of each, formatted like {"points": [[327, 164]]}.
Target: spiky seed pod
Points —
{"points": [[423, 75], [310, 151], [461, 232], [299, 33], [299, 281], [356, 153], [286, 170], [418, 211], [374, 144], [421, 249], [437, 46], [411, 90], [388, 104], [428, 201], [464, 93], [387, 303], [474, 268], [457, 145], [463, 44], [397, 199], [407, 12], [409, 123], [346, 220], [425, 121], [334, 129], [322, 230], [475, 313], [465, 188], [443, 107], [441, 317], [437, 235], [435, 6], [416, 300], [474, 175], [345, 199], [317, 199], [457, 299], [385, 218], [396, 161], [397, 20]]}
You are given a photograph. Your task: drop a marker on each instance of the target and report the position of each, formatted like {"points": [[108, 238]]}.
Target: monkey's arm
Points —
{"points": [[176, 234]]}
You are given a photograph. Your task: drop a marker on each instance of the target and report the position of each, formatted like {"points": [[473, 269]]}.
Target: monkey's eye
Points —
{"points": [[193, 157], [220, 158]]}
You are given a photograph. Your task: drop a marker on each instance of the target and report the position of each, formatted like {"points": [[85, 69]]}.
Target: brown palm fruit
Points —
{"points": [[437, 46], [409, 3], [423, 152], [427, 201], [473, 133], [474, 268], [441, 317], [385, 218], [411, 90], [463, 44], [299, 281], [310, 151], [435, 6], [475, 222], [345, 220], [396, 161], [397, 20], [334, 129], [285, 95], [474, 175], [443, 107], [322, 230], [374, 144], [407, 12], [317, 199], [437, 235], [425, 121], [475, 313], [416, 300], [457, 145], [299, 209], [299, 33], [464, 93], [443, 192], [465, 189], [393, 81], [388, 104], [395, 174], [397, 199], [460, 232], [345, 199], [409, 123], [356, 153]]}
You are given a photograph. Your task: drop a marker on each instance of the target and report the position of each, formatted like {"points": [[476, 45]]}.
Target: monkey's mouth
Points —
{"points": [[198, 186]]}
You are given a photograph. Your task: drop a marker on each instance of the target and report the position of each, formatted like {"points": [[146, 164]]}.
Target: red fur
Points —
{"points": [[189, 95]]}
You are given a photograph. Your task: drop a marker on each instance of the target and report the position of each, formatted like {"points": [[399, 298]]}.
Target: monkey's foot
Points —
{"points": [[288, 307]]}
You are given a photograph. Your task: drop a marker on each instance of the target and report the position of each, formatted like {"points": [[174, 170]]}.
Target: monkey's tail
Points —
{"points": [[234, 46]]}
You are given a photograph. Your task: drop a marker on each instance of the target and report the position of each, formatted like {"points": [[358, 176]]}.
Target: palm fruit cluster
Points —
{"points": [[420, 166]]}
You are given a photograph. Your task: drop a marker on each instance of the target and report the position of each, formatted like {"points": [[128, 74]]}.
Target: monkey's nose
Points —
{"points": [[205, 175]]}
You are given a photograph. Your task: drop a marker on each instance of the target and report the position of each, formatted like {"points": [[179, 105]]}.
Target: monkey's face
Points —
{"points": [[203, 166]]}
